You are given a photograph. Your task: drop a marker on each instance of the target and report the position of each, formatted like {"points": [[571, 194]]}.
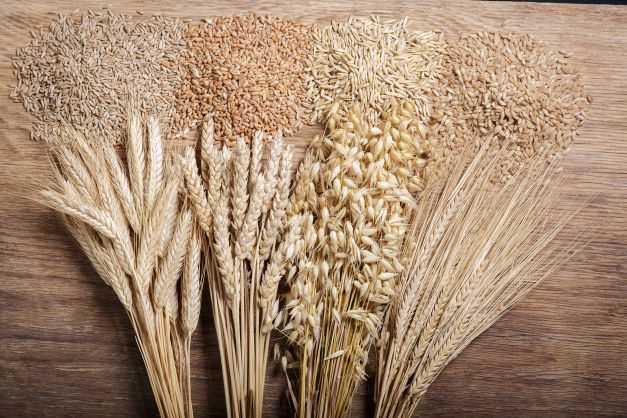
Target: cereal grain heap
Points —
{"points": [[367, 62], [248, 71], [506, 87], [81, 70]]}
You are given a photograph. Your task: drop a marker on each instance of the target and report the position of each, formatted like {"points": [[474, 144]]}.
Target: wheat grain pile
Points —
{"points": [[248, 72], [81, 70], [508, 88], [367, 62]]}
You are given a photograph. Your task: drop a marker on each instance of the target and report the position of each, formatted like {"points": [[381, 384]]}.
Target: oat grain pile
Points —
{"points": [[368, 62], [509, 87], [80, 70], [248, 71]]}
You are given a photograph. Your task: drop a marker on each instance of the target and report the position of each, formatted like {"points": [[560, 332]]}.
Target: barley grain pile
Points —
{"points": [[368, 62], [506, 87], [82, 68], [248, 71]]}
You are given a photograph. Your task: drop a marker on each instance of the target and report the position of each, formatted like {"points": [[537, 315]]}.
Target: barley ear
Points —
{"points": [[195, 190], [121, 187], [168, 273], [136, 159]]}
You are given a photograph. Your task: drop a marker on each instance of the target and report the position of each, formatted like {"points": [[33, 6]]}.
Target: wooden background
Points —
{"points": [[66, 348]]}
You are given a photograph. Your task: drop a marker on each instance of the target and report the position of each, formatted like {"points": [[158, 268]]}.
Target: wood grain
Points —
{"points": [[66, 348]]}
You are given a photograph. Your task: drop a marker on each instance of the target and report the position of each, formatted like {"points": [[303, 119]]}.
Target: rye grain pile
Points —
{"points": [[81, 70], [248, 72], [367, 62], [510, 89]]}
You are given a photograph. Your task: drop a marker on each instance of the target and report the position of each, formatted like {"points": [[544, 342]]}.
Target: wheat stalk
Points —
{"points": [[248, 252], [137, 232]]}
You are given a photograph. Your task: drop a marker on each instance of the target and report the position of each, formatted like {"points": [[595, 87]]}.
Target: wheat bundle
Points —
{"points": [[239, 197], [139, 235]]}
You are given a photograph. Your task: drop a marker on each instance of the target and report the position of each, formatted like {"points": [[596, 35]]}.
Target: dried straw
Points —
{"points": [[472, 251]]}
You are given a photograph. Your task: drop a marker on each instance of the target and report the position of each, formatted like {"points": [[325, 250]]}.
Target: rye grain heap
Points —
{"points": [[248, 72]]}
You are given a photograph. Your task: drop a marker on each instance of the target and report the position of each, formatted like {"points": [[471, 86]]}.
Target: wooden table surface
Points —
{"points": [[66, 347]]}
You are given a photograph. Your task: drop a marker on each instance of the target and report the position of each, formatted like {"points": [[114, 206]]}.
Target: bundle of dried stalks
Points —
{"points": [[353, 197], [140, 237], [472, 252], [239, 197]]}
